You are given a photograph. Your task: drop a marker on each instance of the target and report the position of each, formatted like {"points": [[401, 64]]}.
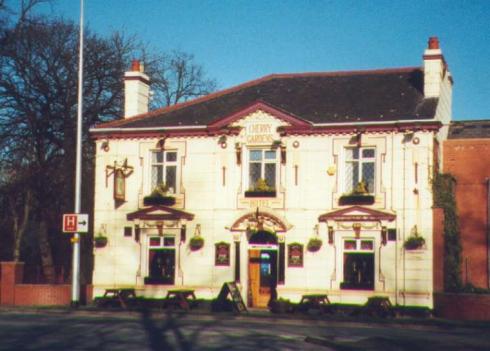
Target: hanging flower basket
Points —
{"points": [[314, 245], [196, 243], [414, 242], [100, 241]]}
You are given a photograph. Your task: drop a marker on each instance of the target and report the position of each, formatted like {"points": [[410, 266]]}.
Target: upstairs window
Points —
{"points": [[164, 169], [359, 167], [262, 165]]}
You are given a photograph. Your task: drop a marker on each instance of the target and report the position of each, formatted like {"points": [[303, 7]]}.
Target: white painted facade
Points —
{"points": [[212, 177]]}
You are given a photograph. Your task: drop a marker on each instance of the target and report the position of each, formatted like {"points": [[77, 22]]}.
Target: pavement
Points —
{"points": [[94, 329]]}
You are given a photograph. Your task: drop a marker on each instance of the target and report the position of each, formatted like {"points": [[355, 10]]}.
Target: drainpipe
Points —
{"points": [[488, 231]]}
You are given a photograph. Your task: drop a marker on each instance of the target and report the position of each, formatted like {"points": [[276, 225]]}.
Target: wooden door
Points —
{"points": [[253, 277]]}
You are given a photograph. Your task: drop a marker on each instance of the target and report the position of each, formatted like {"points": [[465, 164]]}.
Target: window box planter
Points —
{"points": [[196, 243], [414, 243], [100, 241], [356, 199], [159, 200], [259, 193], [314, 245]]}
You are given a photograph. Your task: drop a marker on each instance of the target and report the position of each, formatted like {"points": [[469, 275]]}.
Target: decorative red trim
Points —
{"points": [[380, 128], [293, 120], [204, 132], [369, 214], [249, 84], [172, 214], [253, 215]]}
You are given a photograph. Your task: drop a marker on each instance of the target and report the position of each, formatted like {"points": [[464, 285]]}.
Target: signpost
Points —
{"points": [[75, 223]]}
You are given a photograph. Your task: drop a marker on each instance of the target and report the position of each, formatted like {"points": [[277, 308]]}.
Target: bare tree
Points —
{"points": [[176, 77], [38, 103]]}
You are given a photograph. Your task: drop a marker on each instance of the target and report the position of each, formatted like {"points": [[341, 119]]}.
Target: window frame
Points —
{"points": [[164, 164], [263, 162], [361, 160]]}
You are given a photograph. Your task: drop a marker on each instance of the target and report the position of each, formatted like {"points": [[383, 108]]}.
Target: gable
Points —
{"points": [[159, 213], [356, 213]]}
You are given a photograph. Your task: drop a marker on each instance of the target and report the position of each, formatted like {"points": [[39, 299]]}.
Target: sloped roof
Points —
{"points": [[337, 97], [469, 129]]}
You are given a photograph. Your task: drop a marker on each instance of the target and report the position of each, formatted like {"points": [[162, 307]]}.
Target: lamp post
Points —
{"points": [[75, 284]]}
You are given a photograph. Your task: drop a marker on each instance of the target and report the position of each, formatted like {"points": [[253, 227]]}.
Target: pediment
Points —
{"points": [[159, 213], [357, 214], [259, 109]]}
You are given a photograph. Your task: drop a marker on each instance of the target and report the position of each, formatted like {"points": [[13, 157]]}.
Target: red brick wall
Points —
{"points": [[13, 293], [41, 294], [468, 160], [462, 306]]}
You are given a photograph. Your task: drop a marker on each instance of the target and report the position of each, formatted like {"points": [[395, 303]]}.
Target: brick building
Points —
{"points": [[467, 157]]}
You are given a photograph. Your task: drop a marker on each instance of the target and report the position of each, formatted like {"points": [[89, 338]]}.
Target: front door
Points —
{"points": [[262, 277]]}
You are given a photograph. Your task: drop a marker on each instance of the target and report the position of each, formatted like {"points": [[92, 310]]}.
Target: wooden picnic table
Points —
{"points": [[182, 298], [317, 301], [121, 297]]}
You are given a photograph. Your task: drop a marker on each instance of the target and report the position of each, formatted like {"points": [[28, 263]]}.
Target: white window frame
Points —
{"points": [[164, 164], [361, 160], [263, 162]]}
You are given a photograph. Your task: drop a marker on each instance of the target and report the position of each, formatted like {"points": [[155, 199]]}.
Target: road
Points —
{"points": [[146, 330]]}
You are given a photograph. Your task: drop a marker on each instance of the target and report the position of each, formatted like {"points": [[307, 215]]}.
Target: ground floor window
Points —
{"points": [[161, 260], [358, 265]]}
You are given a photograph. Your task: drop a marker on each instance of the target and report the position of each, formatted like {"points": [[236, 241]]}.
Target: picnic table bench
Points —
{"points": [[314, 301], [181, 298], [117, 298]]}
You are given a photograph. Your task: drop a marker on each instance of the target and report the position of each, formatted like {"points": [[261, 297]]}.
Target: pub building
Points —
{"points": [[290, 184]]}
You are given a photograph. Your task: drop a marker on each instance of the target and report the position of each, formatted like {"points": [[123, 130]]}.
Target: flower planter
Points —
{"points": [[100, 241], [314, 245], [159, 200], [256, 193], [357, 199], [414, 243], [196, 243]]}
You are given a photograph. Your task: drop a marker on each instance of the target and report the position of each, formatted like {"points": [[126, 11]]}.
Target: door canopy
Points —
{"points": [[259, 221]]}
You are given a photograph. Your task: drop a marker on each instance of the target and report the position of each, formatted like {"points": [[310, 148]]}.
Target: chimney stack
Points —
{"points": [[136, 90], [434, 68]]}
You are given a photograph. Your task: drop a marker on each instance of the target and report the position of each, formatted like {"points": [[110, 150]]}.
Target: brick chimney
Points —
{"points": [[434, 68], [136, 90]]}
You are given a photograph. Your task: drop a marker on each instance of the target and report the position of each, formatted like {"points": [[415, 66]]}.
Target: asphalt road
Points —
{"points": [[146, 330]]}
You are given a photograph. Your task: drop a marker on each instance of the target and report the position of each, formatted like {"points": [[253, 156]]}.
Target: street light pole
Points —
{"points": [[75, 284]]}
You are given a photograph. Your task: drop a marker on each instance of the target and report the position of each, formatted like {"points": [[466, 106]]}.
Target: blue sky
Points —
{"points": [[237, 41]]}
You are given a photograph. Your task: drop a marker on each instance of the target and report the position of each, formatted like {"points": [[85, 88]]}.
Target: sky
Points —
{"points": [[237, 41]]}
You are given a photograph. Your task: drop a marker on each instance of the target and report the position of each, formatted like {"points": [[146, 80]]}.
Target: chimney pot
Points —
{"points": [[135, 66], [433, 43]]}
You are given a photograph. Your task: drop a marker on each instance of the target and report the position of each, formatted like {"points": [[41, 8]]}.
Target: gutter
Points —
{"points": [[203, 127], [147, 129]]}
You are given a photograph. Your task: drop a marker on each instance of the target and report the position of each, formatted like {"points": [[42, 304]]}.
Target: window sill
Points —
{"points": [[254, 193], [360, 199]]}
